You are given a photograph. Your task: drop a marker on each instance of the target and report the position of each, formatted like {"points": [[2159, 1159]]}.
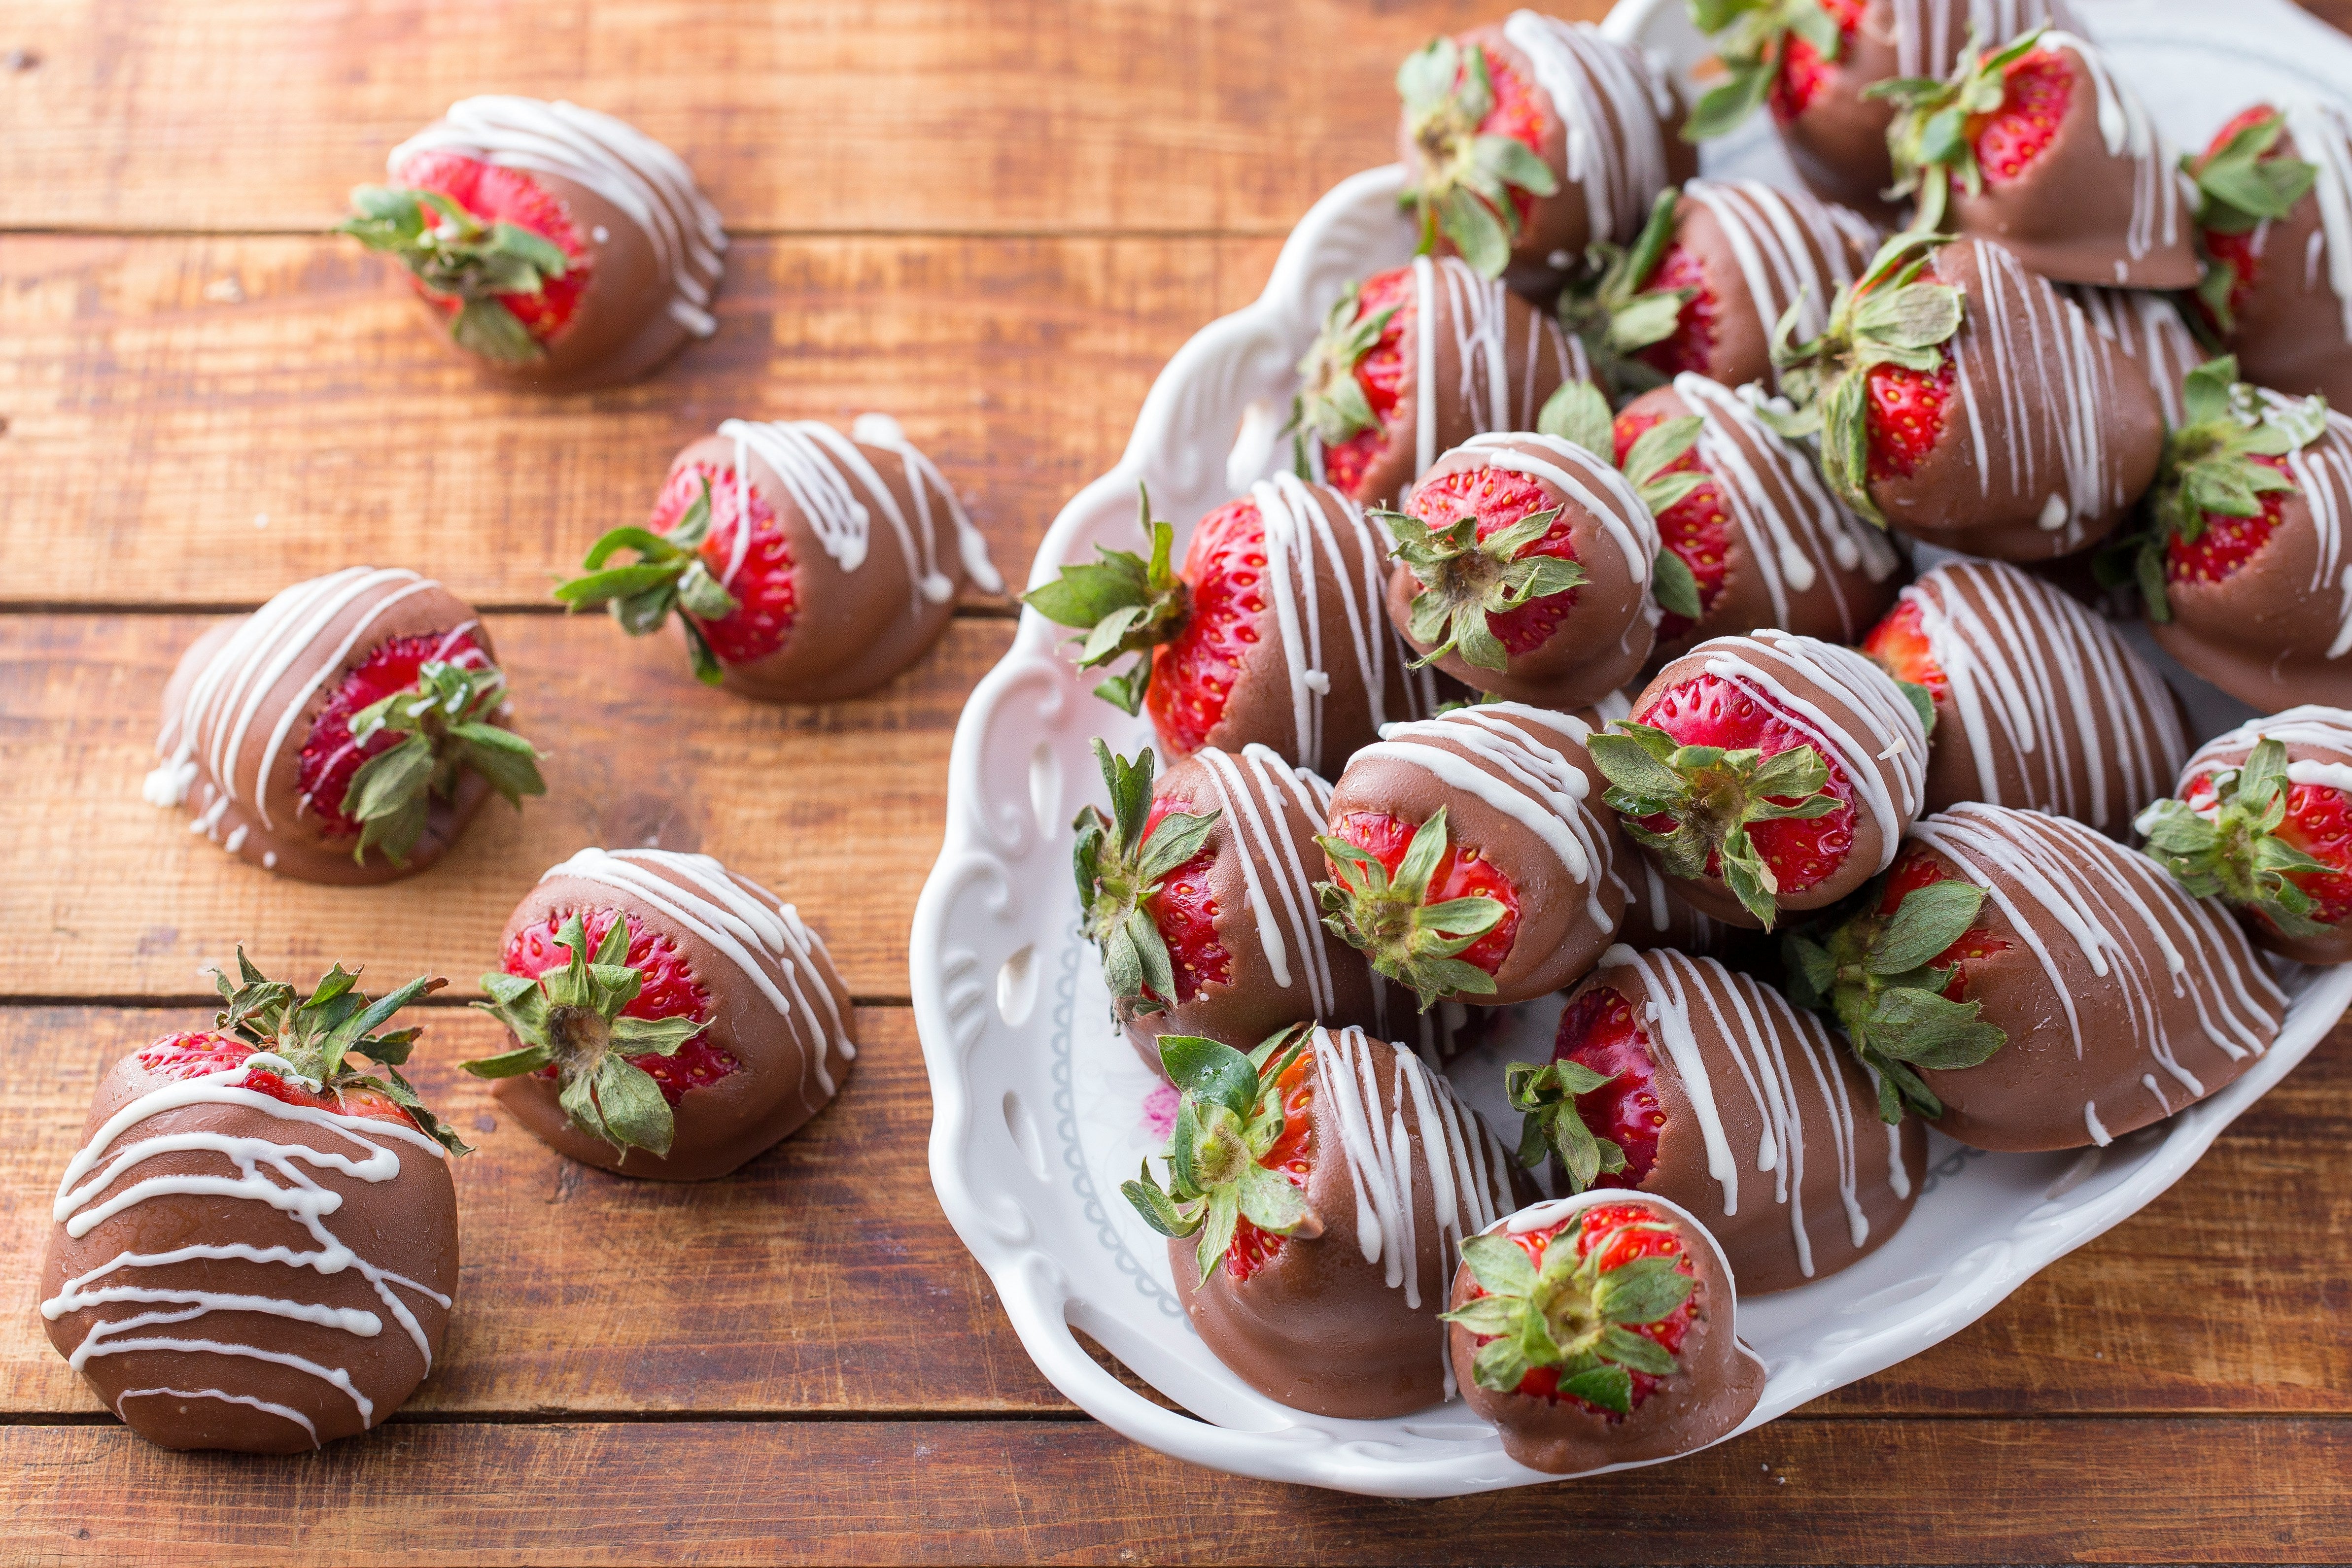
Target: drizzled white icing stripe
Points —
{"points": [[2322, 471], [1516, 759], [1266, 804], [1477, 311], [1302, 535], [1792, 248], [2148, 327], [1613, 105], [83, 1203], [621, 163], [1588, 480], [2323, 140], [2037, 678], [750, 926], [824, 474], [1454, 1153], [1876, 735], [2128, 132], [2060, 885], [269, 1406], [1797, 531], [1929, 35], [2326, 730]]}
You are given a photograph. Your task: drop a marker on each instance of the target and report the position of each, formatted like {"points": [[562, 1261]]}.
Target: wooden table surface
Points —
{"points": [[995, 220]]}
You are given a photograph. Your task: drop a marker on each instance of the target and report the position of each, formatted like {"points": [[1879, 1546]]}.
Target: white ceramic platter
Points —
{"points": [[1039, 1110]]}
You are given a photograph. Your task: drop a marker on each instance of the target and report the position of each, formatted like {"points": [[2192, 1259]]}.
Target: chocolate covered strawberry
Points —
{"points": [[2271, 219], [345, 732], [2263, 820], [1813, 62], [1318, 1191], [1597, 1331], [2242, 563], [1674, 1076], [1528, 141], [1713, 272], [2151, 332], [805, 565], [1523, 562], [1272, 633], [1767, 773], [2030, 984], [1198, 889], [670, 1019], [2035, 142], [1471, 857], [564, 248], [2039, 701], [1963, 401], [256, 1249], [1413, 361]]}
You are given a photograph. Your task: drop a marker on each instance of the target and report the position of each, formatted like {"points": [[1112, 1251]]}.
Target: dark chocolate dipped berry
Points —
{"points": [[343, 732], [806, 565], [2261, 818], [670, 1019], [564, 248], [256, 1248], [1597, 1331], [1312, 1256]]}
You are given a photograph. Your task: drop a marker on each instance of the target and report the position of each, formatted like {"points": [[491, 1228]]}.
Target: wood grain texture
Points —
{"points": [[200, 422], [824, 1279], [1800, 1492], [838, 810], [1019, 116]]}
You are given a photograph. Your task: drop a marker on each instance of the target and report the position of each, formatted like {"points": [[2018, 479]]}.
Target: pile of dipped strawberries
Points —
{"points": [[1712, 609]]}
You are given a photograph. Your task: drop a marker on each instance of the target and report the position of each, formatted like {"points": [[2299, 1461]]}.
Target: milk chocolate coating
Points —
{"points": [[2319, 742], [1320, 1327], [856, 626], [2093, 1052], [1797, 560], [2150, 329], [1820, 1185], [272, 673], [2289, 331], [778, 1007], [2278, 632], [1632, 148], [1330, 562], [190, 1397], [1494, 360], [1601, 641], [1283, 965], [2049, 434], [2079, 213], [1657, 916], [1718, 1382], [1518, 788], [2046, 705], [1843, 707], [1760, 251]]}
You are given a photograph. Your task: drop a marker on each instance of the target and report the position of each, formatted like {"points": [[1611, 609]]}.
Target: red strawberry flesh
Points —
{"points": [[766, 597], [1292, 1156], [1709, 711], [1804, 75], [2237, 249], [1462, 872], [1185, 912], [1498, 499], [1905, 413], [1899, 642], [199, 1052], [1691, 347], [1381, 373], [2226, 543], [670, 991], [330, 757], [2318, 821], [1193, 675], [1594, 1224], [495, 193], [2035, 89], [1698, 528], [1598, 1030]]}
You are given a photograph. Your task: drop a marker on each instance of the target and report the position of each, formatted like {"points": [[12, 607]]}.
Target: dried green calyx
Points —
{"points": [[1124, 604], [1228, 1115], [317, 1036], [2233, 852], [1579, 413], [443, 721], [2241, 184], [1886, 317], [1119, 866], [1464, 181], [1466, 579], [1609, 307], [1930, 140], [1713, 794], [1875, 974], [1570, 1314], [455, 255], [1751, 37], [667, 574], [571, 1018], [1545, 1096], [1391, 922]]}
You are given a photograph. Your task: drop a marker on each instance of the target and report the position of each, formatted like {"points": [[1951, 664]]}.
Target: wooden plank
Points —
{"points": [[1033, 116], [200, 422], [1802, 1492], [824, 1279], [837, 809]]}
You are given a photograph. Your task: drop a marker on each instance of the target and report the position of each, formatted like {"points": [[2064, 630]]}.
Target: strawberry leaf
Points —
{"points": [[1391, 922], [1119, 867]]}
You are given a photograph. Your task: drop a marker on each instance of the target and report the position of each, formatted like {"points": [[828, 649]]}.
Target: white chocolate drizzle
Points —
{"points": [[1792, 248], [1928, 36], [2323, 140], [2322, 473], [1614, 106], [1586, 478], [2148, 329], [1477, 311], [621, 163], [2128, 132], [82, 1204], [2302, 730], [1309, 527], [1268, 806]]}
